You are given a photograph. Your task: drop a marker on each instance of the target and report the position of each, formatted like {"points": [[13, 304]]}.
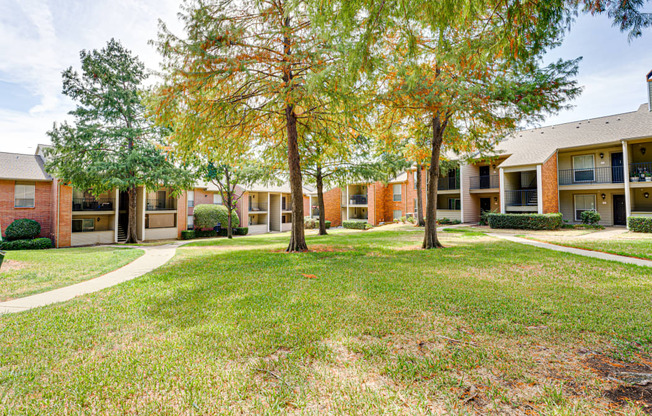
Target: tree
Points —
{"points": [[247, 70], [230, 179], [111, 143]]}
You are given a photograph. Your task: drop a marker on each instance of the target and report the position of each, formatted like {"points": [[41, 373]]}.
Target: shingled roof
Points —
{"points": [[15, 166], [535, 146]]}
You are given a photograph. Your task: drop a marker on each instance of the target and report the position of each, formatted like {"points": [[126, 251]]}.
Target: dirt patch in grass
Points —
{"points": [[12, 265]]}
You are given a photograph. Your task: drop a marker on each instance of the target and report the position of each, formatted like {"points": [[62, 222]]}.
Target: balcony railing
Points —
{"points": [[92, 204], [357, 199], [448, 183], [607, 174], [161, 204], [484, 182], [522, 198], [639, 172]]}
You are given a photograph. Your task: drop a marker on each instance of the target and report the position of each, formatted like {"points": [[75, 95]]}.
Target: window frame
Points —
{"points": [[595, 205], [400, 194], [577, 170], [400, 212], [24, 185], [218, 195], [84, 228]]}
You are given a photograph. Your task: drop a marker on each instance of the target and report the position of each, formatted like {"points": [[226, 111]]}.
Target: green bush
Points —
{"points": [[208, 216], [241, 231], [310, 223], [328, 224], [23, 229], [187, 234], [640, 224], [33, 244], [590, 217], [206, 233], [444, 221], [356, 225], [526, 221]]}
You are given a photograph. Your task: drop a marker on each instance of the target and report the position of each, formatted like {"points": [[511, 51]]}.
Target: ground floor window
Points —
{"points": [[191, 222], [398, 214], [454, 204], [83, 225], [583, 203], [217, 199]]}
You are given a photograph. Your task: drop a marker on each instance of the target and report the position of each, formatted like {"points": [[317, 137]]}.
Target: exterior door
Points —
{"points": [[620, 213], [617, 173], [485, 204], [484, 177]]}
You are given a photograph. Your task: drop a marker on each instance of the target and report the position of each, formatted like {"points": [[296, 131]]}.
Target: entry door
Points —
{"points": [[484, 177], [617, 173], [620, 214], [485, 204]]}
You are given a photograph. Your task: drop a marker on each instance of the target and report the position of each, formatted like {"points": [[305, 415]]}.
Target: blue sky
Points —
{"points": [[40, 38]]}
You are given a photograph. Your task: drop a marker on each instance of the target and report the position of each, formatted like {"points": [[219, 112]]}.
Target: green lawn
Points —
{"points": [[363, 324], [641, 248], [28, 272]]}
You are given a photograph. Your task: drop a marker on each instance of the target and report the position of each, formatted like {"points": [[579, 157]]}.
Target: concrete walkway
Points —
{"points": [[154, 257], [577, 251]]}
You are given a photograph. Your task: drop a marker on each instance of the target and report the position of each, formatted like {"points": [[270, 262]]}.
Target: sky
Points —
{"points": [[41, 38]]}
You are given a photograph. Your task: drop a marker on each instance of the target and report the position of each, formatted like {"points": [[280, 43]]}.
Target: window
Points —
{"points": [[284, 203], [24, 194], [584, 168], [454, 204], [191, 199], [191, 222], [83, 225], [217, 199], [583, 203], [398, 214], [397, 192]]}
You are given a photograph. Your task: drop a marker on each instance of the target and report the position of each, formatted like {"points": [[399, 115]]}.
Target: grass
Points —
{"points": [[641, 248], [28, 272], [363, 324]]}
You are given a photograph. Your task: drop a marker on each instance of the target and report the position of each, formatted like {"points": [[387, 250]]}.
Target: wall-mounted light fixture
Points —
{"points": [[604, 196], [601, 155], [493, 167], [495, 199], [98, 219], [646, 195], [643, 150]]}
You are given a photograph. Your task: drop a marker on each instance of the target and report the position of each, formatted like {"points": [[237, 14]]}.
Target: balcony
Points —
{"points": [[92, 204], [448, 183], [162, 204], [640, 172], [484, 182], [522, 198], [601, 175], [358, 200]]}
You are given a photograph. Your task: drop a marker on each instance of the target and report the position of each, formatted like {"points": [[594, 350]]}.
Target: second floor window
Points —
{"points": [[24, 195], [397, 192], [191, 199]]}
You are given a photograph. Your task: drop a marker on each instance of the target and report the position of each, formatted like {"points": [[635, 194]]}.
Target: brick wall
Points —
{"points": [[182, 213], [42, 211], [65, 216], [550, 190], [391, 205], [332, 206]]}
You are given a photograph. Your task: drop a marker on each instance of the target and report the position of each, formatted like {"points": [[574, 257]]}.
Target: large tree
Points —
{"points": [[111, 143], [248, 70]]}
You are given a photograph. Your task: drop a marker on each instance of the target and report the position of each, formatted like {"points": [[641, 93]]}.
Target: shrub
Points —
{"points": [[484, 220], [207, 233], [403, 219], [23, 229], [444, 221], [241, 231], [34, 244], [356, 225], [640, 224], [526, 221], [311, 223], [187, 234], [208, 216], [411, 220], [328, 224], [590, 217]]}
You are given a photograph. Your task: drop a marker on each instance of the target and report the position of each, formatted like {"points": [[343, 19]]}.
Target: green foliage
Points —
{"points": [[356, 225], [640, 224], [328, 224], [207, 216], [310, 223], [525, 221], [187, 234], [590, 217], [23, 229], [448, 221], [484, 220], [33, 244], [209, 233], [241, 231]]}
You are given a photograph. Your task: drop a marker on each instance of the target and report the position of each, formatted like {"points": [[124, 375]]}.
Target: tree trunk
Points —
{"points": [[298, 238], [320, 202], [420, 221], [430, 239], [132, 225], [229, 226]]}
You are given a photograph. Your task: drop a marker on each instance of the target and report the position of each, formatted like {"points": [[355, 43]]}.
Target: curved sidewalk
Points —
{"points": [[577, 251], [153, 258]]}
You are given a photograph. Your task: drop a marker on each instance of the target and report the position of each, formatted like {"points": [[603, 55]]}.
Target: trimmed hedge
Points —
{"points": [[23, 229], [313, 223], [356, 225], [590, 217], [526, 221], [328, 224], [209, 215], [187, 234], [34, 244], [640, 224], [205, 233], [224, 232]]}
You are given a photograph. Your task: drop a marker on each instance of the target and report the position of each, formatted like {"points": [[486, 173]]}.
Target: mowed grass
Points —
{"points": [[363, 324], [28, 272], [641, 248]]}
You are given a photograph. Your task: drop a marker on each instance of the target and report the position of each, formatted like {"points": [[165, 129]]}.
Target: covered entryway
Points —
{"points": [[620, 211]]}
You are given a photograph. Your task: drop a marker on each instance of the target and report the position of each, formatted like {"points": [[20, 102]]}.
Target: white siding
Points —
{"points": [[92, 238], [161, 233]]}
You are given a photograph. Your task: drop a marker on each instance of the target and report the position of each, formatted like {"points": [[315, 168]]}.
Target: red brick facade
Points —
{"points": [[332, 206], [550, 189], [42, 211]]}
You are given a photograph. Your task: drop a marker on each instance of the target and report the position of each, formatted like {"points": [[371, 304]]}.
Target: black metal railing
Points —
{"points": [[640, 171], [606, 174], [92, 204], [357, 199], [161, 204], [522, 198], [448, 183], [484, 182]]}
